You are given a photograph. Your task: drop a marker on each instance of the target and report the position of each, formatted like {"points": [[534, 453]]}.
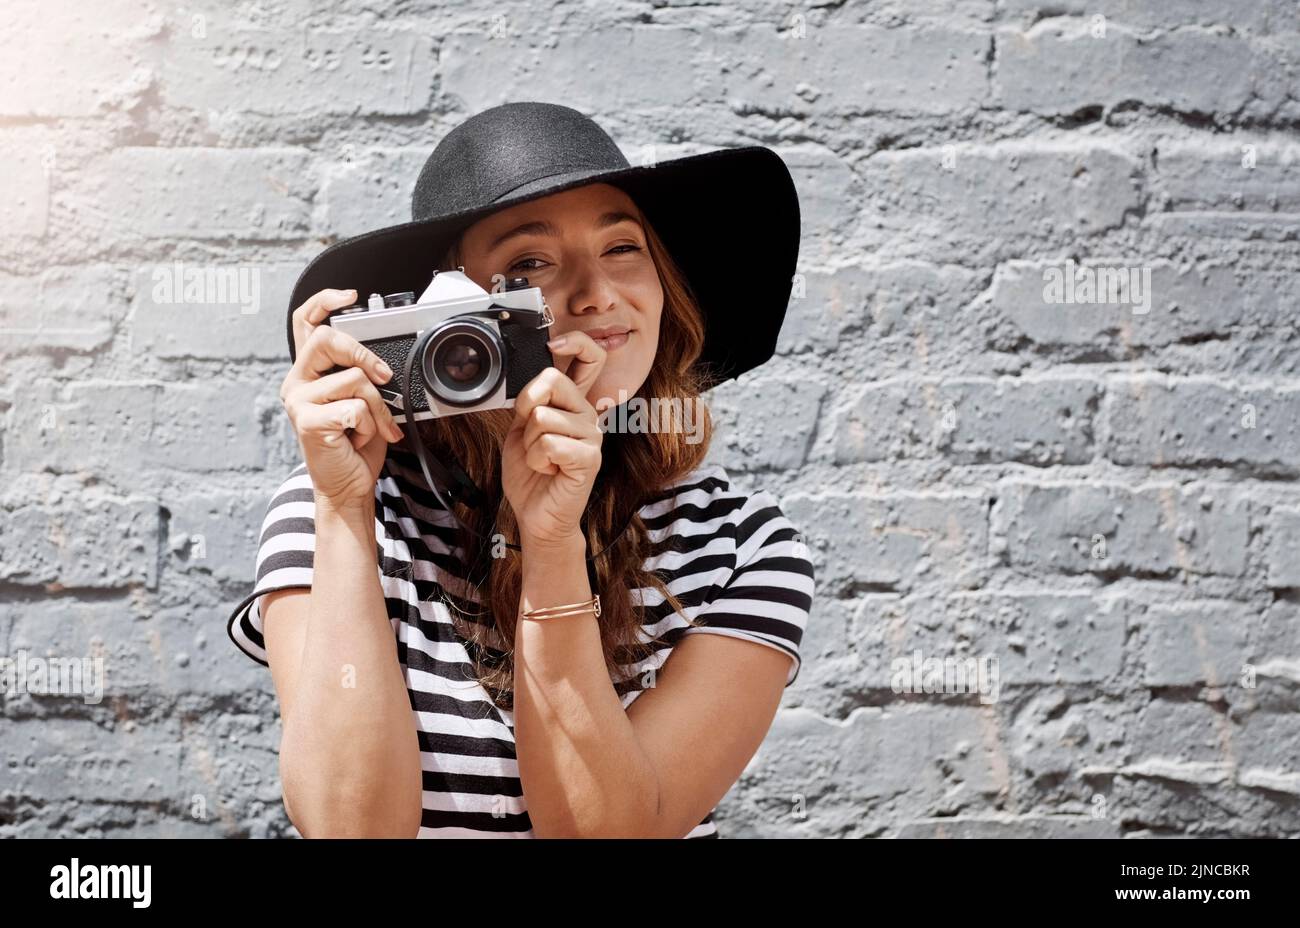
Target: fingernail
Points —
{"points": [[557, 341], [384, 370], [395, 431]]}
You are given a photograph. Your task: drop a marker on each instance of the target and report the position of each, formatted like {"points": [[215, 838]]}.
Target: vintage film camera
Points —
{"points": [[474, 350]]}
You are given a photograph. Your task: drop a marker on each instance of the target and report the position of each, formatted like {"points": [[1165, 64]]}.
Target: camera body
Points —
{"points": [[480, 348]]}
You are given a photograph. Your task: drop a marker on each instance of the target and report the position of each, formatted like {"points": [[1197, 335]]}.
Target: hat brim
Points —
{"points": [[730, 219]]}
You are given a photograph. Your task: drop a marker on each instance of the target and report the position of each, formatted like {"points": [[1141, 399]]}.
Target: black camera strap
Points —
{"points": [[458, 484], [453, 480]]}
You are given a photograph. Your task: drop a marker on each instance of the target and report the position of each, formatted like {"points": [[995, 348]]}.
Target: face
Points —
{"points": [[586, 249]]}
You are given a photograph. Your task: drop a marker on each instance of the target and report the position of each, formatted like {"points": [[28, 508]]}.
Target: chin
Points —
{"points": [[612, 391]]}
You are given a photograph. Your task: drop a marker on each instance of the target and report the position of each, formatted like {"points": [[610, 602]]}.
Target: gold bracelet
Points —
{"points": [[555, 612]]}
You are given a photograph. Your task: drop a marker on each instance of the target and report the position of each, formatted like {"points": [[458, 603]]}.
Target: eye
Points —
{"points": [[617, 247], [519, 265]]}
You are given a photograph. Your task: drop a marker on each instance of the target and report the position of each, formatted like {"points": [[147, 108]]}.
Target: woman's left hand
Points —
{"points": [[551, 455]]}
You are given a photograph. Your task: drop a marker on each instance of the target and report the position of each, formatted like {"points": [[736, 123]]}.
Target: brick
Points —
{"points": [[103, 58], [1055, 742], [166, 323], [1195, 773], [1033, 827], [917, 69], [234, 758], [1037, 421], [1276, 648], [828, 188], [1180, 741], [973, 200], [1248, 232], [371, 190], [126, 428], [927, 69], [941, 764], [274, 71], [93, 542], [904, 312], [1186, 304], [482, 69], [828, 651], [1032, 421], [1186, 644], [61, 309], [1229, 175], [892, 542], [1261, 16], [1276, 781], [1283, 535], [1157, 529], [147, 657], [887, 420], [24, 191], [82, 760], [973, 13], [1036, 638], [200, 193], [213, 533], [1059, 67], [1198, 422], [764, 423]]}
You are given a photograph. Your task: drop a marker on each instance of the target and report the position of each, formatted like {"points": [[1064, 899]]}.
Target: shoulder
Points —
{"points": [[707, 502], [290, 513], [295, 487], [702, 497], [739, 565], [291, 510]]}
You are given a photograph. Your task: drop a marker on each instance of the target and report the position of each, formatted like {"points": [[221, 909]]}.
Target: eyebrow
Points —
{"points": [[544, 227]]}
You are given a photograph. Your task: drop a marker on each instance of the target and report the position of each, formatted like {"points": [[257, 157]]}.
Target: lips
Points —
{"points": [[608, 330], [610, 337], [613, 341]]}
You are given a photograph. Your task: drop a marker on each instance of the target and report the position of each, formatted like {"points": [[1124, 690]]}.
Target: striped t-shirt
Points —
{"points": [[733, 560]]}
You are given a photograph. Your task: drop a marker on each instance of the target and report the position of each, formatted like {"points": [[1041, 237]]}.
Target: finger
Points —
{"points": [[552, 454], [314, 310], [365, 429], [346, 384], [551, 388], [328, 348], [326, 425], [585, 359], [549, 420]]}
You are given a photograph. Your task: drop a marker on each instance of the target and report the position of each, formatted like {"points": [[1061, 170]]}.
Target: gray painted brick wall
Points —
{"points": [[1102, 500]]}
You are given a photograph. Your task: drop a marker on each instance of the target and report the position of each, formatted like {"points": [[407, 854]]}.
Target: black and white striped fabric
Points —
{"points": [[735, 561]]}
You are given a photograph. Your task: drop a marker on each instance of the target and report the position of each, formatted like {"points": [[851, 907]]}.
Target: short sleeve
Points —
{"points": [[285, 552], [769, 595]]}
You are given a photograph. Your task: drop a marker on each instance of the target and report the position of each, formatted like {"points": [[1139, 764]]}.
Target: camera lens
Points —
{"points": [[462, 362]]}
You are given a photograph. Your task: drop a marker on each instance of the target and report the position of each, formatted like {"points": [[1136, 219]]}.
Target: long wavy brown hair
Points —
{"points": [[634, 466]]}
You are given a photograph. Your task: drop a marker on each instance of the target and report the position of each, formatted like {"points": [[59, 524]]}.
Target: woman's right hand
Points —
{"points": [[340, 419]]}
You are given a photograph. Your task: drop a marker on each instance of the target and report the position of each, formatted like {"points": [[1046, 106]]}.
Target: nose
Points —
{"points": [[589, 288]]}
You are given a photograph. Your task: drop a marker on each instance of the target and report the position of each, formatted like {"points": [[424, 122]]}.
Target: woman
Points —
{"points": [[424, 690]]}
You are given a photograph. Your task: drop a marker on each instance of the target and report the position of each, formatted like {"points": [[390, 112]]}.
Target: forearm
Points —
{"points": [[350, 753], [584, 772]]}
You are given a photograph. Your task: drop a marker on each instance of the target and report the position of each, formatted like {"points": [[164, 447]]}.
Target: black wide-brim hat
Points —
{"points": [[729, 218]]}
